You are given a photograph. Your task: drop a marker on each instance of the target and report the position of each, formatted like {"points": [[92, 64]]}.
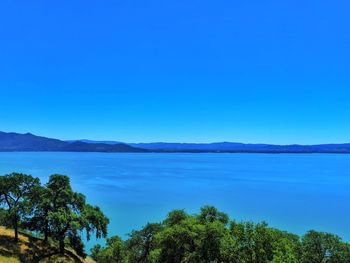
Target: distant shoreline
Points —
{"points": [[16, 142], [174, 152]]}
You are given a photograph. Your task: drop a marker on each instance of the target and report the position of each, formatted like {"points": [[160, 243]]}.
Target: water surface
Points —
{"points": [[295, 192]]}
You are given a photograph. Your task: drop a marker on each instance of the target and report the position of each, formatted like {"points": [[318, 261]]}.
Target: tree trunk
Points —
{"points": [[16, 229], [46, 228], [46, 237], [46, 232], [62, 246]]}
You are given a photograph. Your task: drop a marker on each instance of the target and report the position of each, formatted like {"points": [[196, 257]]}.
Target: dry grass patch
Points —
{"points": [[31, 249], [4, 259]]}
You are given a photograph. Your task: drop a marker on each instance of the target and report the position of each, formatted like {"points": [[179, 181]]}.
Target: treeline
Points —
{"points": [[211, 237], [53, 210]]}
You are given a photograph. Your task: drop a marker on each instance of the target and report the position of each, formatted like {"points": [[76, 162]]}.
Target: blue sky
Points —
{"points": [[186, 71]]}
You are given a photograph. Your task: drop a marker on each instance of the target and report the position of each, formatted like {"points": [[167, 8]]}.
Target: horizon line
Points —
{"points": [[174, 142]]}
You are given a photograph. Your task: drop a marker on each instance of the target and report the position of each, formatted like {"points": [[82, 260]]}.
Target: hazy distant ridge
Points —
{"points": [[236, 147], [241, 147], [29, 142], [10, 142]]}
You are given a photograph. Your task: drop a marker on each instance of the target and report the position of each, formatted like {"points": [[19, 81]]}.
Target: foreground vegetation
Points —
{"points": [[58, 217], [211, 237], [54, 211]]}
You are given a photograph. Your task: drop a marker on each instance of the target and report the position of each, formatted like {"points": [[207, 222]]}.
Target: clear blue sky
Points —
{"points": [[191, 71]]}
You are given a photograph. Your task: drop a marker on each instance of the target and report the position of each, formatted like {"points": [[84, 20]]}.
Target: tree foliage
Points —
{"points": [[210, 237], [319, 247], [16, 195], [114, 252], [54, 210], [141, 243]]}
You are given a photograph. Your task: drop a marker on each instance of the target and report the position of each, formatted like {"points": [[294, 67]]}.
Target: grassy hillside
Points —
{"points": [[32, 249]]}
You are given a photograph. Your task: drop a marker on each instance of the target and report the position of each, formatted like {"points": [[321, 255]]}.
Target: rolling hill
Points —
{"points": [[11, 142]]}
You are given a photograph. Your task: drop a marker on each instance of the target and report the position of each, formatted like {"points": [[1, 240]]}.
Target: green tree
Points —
{"points": [[64, 214], [286, 247], [214, 229], [284, 251], [142, 242], [210, 214], [320, 247], [175, 217], [113, 252], [207, 238], [180, 238], [210, 245], [16, 195], [42, 206], [254, 242], [228, 248], [93, 220]]}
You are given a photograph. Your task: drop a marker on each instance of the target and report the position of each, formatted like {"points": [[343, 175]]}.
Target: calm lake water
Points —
{"points": [[295, 192]]}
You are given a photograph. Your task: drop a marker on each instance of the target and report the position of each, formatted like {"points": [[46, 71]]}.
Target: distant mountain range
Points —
{"points": [[240, 147], [11, 142], [29, 142]]}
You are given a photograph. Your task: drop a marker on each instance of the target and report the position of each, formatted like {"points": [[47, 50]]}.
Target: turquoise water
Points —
{"points": [[295, 192]]}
